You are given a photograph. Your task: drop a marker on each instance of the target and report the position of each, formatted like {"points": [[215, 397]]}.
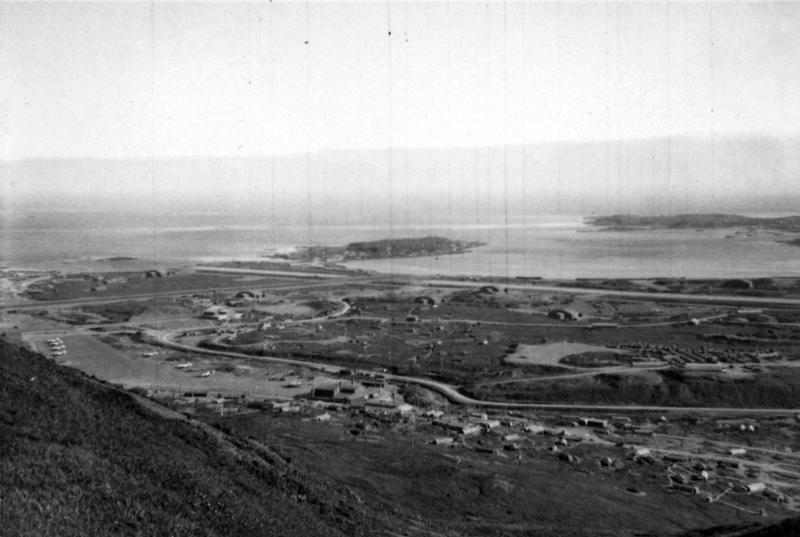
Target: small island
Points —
{"points": [[382, 249]]}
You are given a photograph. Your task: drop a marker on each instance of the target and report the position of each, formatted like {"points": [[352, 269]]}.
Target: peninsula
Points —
{"points": [[702, 221], [620, 222]]}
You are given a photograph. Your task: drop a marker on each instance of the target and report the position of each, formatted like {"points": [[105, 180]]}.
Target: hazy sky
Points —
{"points": [[133, 80]]}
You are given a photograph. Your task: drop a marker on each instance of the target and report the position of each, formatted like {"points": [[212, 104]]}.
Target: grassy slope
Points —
{"points": [[83, 458], [455, 492], [785, 528]]}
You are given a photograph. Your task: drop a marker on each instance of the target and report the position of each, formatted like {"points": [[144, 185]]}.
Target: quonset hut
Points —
{"points": [[565, 314]]}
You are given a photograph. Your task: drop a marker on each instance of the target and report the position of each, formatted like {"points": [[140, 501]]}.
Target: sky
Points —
{"points": [[135, 80], [594, 107]]}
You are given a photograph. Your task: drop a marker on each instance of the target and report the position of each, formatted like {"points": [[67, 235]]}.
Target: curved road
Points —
{"points": [[452, 393]]}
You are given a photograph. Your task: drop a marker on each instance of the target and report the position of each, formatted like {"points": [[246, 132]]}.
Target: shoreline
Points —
{"points": [[567, 252]]}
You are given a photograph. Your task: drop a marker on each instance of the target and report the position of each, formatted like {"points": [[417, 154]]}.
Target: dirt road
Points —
{"points": [[452, 394]]}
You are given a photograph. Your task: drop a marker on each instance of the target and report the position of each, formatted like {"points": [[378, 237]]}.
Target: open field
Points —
{"points": [[473, 338], [324, 373], [120, 360], [551, 353]]}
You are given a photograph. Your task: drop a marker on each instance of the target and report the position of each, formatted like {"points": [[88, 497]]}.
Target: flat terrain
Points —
{"points": [[121, 360], [455, 407], [550, 353]]}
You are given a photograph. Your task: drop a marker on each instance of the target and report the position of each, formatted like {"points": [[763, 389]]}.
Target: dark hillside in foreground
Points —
{"points": [[81, 458], [785, 528]]}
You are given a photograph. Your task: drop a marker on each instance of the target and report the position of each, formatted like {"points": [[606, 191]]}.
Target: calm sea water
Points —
{"points": [[551, 246]]}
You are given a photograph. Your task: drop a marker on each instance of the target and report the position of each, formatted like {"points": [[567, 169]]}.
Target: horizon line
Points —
{"points": [[693, 136]]}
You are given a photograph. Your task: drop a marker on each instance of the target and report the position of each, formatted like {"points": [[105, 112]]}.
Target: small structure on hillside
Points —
{"points": [[404, 409], [705, 367], [533, 428], [565, 314], [754, 487], [326, 391], [217, 313], [594, 422], [153, 274], [350, 389], [459, 426], [488, 423]]}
